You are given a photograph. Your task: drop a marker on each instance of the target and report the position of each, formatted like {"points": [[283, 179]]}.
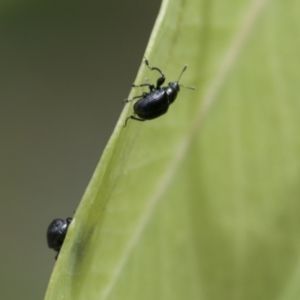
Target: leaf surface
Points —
{"points": [[203, 202]]}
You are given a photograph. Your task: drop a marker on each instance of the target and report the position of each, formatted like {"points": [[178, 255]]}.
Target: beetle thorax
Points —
{"points": [[172, 91]]}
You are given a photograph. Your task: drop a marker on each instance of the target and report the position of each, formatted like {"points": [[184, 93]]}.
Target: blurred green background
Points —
{"points": [[66, 66]]}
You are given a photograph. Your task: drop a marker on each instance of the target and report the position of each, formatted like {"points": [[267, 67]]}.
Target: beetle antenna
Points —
{"points": [[153, 68], [184, 68], [188, 87]]}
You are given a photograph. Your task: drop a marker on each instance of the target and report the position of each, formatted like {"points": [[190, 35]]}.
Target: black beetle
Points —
{"points": [[155, 103], [56, 233]]}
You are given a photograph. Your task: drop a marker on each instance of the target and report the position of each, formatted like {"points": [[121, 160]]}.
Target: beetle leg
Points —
{"points": [[160, 80], [136, 97], [137, 119], [151, 86], [130, 99], [133, 118]]}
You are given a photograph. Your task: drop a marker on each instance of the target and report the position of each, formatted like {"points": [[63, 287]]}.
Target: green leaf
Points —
{"points": [[202, 203]]}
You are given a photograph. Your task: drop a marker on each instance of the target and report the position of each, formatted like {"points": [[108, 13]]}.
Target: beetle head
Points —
{"points": [[174, 86]]}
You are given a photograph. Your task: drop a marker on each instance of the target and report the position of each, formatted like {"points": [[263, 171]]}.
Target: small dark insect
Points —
{"points": [[56, 234], [155, 103]]}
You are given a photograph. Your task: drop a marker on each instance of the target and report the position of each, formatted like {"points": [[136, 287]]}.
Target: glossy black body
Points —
{"points": [[155, 103], [56, 233]]}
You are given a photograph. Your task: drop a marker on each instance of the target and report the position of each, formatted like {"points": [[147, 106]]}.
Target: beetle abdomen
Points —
{"points": [[153, 105]]}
